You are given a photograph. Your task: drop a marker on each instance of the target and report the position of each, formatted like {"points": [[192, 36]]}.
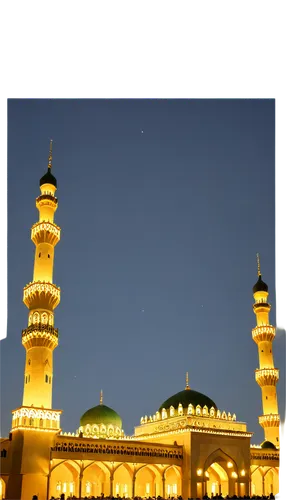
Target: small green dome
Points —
{"points": [[268, 445], [260, 286], [186, 397], [101, 414], [48, 178]]}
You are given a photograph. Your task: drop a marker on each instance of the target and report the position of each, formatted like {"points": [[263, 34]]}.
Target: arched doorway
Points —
{"points": [[216, 480], [2, 488], [173, 482], [64, 478], [95, 480], [122, 481], [148, 481], [220, 475], [256, 480]]}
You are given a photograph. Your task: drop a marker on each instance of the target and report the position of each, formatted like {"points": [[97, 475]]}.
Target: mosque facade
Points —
{"points": [[188, 447]]}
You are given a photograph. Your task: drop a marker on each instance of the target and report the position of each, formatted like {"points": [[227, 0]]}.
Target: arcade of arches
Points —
{"points": [[219, 475], [90, 478]]}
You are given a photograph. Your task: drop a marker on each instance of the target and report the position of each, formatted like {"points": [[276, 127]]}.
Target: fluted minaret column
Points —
{"points": [[41, 297], [267, 375]]}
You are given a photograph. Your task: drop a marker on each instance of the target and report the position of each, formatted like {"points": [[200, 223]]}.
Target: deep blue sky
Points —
{"points": [[157, 258]]}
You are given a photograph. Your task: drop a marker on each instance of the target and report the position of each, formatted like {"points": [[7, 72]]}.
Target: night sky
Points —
{"points": [[163, 205]]}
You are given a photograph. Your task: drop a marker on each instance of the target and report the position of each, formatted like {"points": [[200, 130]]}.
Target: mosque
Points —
{"points": [[188, 447]]}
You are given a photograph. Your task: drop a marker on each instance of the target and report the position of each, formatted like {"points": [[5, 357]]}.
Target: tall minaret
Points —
{"points": [[266, 376], [41, 297]]}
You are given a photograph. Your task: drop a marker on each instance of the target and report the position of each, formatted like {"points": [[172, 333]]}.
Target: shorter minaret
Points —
{"points": [[266, 376]]}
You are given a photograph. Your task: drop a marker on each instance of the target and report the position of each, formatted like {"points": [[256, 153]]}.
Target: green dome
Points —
{"points": [[48, 178], [186, 397], [268, 445], [101, 414], [260, 286]]}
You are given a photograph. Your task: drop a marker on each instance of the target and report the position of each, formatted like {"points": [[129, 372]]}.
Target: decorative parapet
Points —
{"points": [[45, 232], [258, 454], [40, 419], [128, 450], [271, 420], [191, 410], [267, 376], [261, 307], [46, 199], [262, 333], [41, 294], [39, 334]]}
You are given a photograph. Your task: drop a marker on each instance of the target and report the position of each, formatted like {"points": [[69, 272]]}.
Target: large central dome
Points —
{"points": [[187, 397]]}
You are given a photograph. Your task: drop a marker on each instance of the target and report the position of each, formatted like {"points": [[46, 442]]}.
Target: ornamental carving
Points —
{"points": [[35, 413], [79, 447]]}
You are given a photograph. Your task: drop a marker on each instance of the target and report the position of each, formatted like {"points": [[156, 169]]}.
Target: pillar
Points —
{"points": [[163, 485], [111, 483], [133, 484], [80, 484]]}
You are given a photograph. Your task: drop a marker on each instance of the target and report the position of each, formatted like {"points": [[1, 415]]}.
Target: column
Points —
{"points": [[163, 485], [80, 484], [111, 483], [133, 484]]}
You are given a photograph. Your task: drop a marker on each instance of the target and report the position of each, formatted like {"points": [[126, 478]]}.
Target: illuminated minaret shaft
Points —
{"points": [[41, 297], [266, 376]]}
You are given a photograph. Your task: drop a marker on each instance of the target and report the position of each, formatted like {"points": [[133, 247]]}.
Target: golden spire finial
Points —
{"points": [[50, 154], [258, 264], [101, 397], [187, 381]]}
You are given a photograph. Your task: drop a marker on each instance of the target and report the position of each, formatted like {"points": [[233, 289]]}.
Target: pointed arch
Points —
{"points": [[257, 468], [152, 467], [64, 462], [265, 473], [176, 469], [106, 469], [126, 466], [220, 456]]}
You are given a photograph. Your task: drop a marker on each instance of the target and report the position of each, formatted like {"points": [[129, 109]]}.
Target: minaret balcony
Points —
{"points": [[261, 307], [263, 333], [271, 420], [46, 200], [267, 376], [39, 334], [45, 232], [41, 295]]}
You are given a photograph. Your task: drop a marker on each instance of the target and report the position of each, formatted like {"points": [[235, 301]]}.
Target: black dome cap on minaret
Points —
{"points": [[259, 286], [49, 178]]}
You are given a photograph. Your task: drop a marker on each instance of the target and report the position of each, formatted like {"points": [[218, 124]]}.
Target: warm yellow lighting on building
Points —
{"points": [[242, 472], [234, 475], [199, 472], [207, 474], [230, 465]]}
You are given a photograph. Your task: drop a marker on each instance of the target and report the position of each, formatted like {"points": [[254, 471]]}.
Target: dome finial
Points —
{"points": [[187, 382], [50, 154], [101, 397], [258, 264]]}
